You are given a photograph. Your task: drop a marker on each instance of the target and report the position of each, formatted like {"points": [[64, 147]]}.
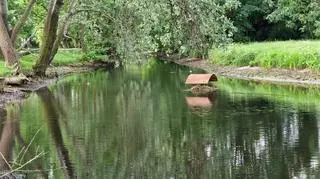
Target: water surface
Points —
{"points": [[138, 122]]}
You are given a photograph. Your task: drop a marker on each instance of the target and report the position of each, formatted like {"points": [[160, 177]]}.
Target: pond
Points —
{"points": [[139, 122]]}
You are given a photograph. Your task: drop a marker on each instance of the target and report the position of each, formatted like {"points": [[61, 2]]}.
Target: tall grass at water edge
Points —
{"points": [[297, 96], [281, 54]]}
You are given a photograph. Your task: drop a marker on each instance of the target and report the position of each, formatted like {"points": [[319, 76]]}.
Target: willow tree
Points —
{"points": [[138, 27]]}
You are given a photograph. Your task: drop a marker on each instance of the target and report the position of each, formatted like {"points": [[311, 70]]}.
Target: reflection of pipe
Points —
{"points": [[49, 103]]}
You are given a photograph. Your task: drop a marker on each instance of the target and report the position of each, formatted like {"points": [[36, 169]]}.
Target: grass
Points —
{"points": [[304, 97], [281, 54], [63, 57], [3, 71]]}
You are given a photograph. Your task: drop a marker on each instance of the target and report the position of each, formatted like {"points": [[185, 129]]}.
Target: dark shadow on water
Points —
{"points": [[52, 117]]}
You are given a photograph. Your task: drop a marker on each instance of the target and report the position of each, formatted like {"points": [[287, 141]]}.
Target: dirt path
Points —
{"points": [[279, 76], [11, 94]]}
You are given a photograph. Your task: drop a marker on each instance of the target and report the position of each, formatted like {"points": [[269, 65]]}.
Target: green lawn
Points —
{"points": [[281, 54], [63, 57]]}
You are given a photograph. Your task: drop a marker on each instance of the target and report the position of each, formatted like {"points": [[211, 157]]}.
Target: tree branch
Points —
{"points": [[22, 21]]}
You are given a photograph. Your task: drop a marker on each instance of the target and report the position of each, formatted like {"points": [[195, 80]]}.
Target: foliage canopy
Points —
{"points": [[132, 29]]}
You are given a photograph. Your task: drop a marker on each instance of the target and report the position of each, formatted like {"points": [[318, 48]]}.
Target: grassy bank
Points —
{"points": [[282, 54], [63, 57], [294, 95]]}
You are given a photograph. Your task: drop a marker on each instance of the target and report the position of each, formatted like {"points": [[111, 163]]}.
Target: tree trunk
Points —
{"points": [[22, 21], [49, 36], [4, 13], [83, 45], [7, 46], [7, 39], [61, 30], [171, 25]]}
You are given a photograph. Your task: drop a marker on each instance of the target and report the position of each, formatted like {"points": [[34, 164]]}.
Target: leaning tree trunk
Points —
{"points": [[7, 39], [6, 46], [4, 15], [49, 36], [61, 30]]}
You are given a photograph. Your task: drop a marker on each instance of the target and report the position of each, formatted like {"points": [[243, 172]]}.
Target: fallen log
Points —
{"points": [[15, 80]]}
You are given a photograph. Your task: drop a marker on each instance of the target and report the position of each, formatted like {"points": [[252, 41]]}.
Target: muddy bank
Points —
{"points": [[11, 93], [279, 76]]}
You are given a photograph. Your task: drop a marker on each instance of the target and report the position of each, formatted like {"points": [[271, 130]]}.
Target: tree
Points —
{"points": [[4, 13], [6, 45], [49, 37], [297, 14], [63, 28], [252, 22], [8, 36], [136, 28], [186, 27], [22, 21]]}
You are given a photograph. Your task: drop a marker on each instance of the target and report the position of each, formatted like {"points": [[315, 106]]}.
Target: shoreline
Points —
{"points": [[11, 94], [304, 78], [278, 76]]}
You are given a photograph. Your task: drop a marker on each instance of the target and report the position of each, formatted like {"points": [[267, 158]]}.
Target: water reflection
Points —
{"points": [[20, 156], [202, 105], [10, 124], [194, 102], [53, 112], [136, 122]]}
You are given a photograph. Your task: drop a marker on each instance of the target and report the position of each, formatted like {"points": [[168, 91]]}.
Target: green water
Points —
{"points": [[138, 122]]}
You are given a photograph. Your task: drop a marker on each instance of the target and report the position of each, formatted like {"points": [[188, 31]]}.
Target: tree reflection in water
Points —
{"points": [[135, 123], [11, 167], [9, 124], [53, 113]]}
